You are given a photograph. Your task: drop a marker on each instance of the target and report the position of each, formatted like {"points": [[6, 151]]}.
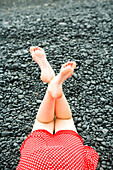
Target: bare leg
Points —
{"points": [[63, 113], [46, 111], [64, 120], [62, 108], [45, 115]]}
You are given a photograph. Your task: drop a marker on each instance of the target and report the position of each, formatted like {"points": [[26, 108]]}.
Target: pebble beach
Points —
{"points": [[68, 30]]}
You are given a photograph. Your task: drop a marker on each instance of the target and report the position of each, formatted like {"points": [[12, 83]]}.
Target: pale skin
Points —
{"points": [[54, 113]]}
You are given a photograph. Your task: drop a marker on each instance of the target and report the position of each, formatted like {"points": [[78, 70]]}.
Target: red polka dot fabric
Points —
{"points": [[63, 150]]}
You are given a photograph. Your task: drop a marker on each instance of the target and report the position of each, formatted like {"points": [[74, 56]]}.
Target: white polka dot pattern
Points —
{"points": [[62, 151]]}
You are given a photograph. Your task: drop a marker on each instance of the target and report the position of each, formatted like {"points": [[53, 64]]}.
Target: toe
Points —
{"points": [[36, 48], [74, 65], [68, 64], [71, 64], [39, 48], [32, 49], [65, 65]]}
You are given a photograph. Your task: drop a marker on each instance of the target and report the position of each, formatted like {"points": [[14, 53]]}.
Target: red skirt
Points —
{"points": [[62, 151]]}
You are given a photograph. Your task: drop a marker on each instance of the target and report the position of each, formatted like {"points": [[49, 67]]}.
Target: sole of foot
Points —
{"points": [[39, 57]]}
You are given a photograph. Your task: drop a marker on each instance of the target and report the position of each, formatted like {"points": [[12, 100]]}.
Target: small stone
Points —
{"points": [[96, 110], [101, 168], [107, 107], [38, 19], [63, 24], [84, 126], [101, 148], [4, 111], [21, 117], [15, 144], [66, 39], [102, 99], [94, 129], [34, 103], [99, 120], [7, 133], [9, 119], [39, 101], [99, 139], [25, 51], [104, 166], [23, 65], [103, 143], [15, 66], [93, 82], [88, 26], [1, 97], [88, 82], [85, 87], [79, 119], [105, 131], [79, 124], [79, 129], [88, 61], [20, 96], [88, 137]]}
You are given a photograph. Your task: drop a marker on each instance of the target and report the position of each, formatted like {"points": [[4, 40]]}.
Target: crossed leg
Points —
{"points": [[54, 102], [64, 120]]}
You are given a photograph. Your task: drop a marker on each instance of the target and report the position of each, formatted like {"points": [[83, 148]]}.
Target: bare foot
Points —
{"points": [[39, 57], [55, 86]]}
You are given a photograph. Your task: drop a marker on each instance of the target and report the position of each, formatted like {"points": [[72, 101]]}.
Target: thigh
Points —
{"points": [[64, 124], [40, 125]]}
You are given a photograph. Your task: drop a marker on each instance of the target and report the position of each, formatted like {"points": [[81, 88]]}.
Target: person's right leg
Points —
{"points": [[62, 108], [64, 124], [64, 120]]}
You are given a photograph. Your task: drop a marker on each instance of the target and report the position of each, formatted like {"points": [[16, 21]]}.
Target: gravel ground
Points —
{"points": [[67, 30]]}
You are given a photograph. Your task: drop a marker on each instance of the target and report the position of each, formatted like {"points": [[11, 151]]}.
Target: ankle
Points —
{"points": [[49, 92]]}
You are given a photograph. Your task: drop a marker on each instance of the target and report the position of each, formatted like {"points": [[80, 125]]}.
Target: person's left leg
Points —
{"points": [[45, 115], [46, 110]]}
